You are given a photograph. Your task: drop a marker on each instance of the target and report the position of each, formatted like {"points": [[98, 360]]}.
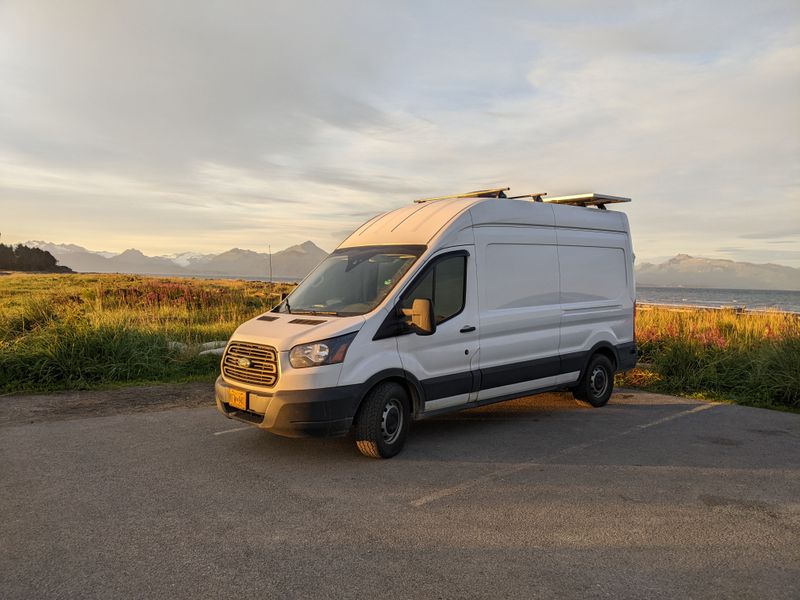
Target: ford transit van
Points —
{"points": [[441, 305]]}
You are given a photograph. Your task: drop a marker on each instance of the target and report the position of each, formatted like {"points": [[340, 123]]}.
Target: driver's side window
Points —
{"points": [[444, 283]]}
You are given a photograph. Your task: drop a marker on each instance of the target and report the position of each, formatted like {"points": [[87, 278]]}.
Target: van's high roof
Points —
{"points": [[444, 217]]}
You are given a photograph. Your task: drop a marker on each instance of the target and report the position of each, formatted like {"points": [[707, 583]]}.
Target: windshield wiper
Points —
{"points": [[331, 313]]}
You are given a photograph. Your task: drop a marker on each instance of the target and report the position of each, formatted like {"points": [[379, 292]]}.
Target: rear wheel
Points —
{"points": [[381, 426], [597, 383]]}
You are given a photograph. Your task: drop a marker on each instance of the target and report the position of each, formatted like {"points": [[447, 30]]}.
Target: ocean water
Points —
{"points": [[750, 299]]}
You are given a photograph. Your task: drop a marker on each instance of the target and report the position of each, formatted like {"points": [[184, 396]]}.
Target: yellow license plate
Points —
{"points": [[237, 399]]}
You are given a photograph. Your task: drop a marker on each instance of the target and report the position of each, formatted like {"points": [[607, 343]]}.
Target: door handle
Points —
{"points": [[467, 329]]}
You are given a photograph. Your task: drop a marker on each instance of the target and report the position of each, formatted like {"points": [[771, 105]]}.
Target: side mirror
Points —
{"points": [[283, 296], [421, 317]]}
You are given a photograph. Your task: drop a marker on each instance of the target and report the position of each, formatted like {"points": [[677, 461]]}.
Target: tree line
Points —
{"points": [[24, 258]]}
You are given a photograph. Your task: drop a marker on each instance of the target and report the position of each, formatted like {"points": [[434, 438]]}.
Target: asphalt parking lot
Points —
{"points": [[650, 497]]}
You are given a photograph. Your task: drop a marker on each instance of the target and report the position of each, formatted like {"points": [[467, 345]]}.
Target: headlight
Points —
{"points": [[324, 352]]}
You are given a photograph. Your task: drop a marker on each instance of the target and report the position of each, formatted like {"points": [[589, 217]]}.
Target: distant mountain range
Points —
{"points": [[292, 263], [296, 261], [694, 272]]}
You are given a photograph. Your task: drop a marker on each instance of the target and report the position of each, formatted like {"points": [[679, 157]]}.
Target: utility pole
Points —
{"points": [[269, 247]]}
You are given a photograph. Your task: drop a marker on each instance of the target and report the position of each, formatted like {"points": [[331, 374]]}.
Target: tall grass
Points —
{"points": [[752, 358], [79, 331]]}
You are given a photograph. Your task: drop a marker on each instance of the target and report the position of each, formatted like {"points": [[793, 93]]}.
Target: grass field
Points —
{"points": [[750, 358], [82, 331]]}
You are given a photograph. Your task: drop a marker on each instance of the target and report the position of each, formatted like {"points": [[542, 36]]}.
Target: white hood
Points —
{"points": [[282, 334]]}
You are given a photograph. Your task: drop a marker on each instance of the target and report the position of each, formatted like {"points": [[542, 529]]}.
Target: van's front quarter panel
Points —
{"points": [[367, 356]]}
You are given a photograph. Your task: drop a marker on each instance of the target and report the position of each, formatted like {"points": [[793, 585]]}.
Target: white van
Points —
{"points": [[446, 304]]}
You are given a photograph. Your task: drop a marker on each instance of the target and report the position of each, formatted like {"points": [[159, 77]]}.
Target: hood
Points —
{"points": [[279, 331]]}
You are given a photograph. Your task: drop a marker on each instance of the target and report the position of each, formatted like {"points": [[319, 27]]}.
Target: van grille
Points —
{"points": [[251, 363]]}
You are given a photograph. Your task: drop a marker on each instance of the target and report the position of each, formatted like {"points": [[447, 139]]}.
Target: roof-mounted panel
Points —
{"points": [[598, 200]]}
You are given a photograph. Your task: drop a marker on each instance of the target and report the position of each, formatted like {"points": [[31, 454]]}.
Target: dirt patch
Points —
{"points": [[18, 410]]}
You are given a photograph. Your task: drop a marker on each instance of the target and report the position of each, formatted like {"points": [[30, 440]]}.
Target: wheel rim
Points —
{"points": [[392, 420], [598, 382]]}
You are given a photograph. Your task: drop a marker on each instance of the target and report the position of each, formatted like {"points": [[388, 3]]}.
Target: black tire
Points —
{"points": [[381, 426], [597, 383]]}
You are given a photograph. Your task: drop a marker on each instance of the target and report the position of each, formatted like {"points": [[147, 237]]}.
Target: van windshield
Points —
{"points": [[351, 281]]}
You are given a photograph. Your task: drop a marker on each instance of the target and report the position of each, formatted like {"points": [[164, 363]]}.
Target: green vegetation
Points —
{"points": [[23, 258], [81, 331], [749, 358]]}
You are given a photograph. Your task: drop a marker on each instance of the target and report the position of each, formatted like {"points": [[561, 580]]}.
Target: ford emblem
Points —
{"points": [[243, 362]]}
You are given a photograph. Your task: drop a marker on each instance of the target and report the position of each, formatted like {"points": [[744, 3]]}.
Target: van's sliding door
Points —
{"points": [[520, 312]]}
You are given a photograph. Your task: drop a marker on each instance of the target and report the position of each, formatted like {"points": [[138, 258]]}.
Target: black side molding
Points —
{"points": [[627, 356]]}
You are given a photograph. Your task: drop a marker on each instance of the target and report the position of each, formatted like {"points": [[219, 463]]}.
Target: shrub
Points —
{"points": [[753, 358]]}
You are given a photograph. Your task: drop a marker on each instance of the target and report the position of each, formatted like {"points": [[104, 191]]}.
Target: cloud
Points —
{"points": [[206, 125], [759, 255], [156, 84], [779, 231]]}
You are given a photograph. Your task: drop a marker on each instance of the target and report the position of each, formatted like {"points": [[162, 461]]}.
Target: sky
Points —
{"points": [[206, 125]]}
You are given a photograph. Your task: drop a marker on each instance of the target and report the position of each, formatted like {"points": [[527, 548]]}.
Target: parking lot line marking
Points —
{"points": [[680, 414], [438, 495], [469, 483], [231, 430], [449, 419]]}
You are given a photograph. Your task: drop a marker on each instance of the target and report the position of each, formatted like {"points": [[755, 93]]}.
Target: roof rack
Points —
{"points": [[537, 197], [492, 193], [598, 200]]}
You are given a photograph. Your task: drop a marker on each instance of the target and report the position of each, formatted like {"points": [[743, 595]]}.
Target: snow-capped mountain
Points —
{"points": [[188, 259], [292, 263], [65, 248]]}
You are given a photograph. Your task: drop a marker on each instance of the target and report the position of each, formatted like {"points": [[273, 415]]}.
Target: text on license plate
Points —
{"points": [[237, 399]]}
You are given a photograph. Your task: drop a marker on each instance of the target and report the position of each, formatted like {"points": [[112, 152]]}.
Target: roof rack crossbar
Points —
{"points": [[537, 197], [491, 193]]}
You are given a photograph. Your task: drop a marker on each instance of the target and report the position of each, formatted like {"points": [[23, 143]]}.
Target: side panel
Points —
{"points": [[520, 312], [596, 289]]}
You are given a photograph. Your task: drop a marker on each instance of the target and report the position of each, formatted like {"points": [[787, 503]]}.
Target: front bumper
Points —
{"points": [[295, 413]]}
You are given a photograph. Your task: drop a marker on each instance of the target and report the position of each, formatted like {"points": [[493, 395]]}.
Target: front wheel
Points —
{"points": [[382, 423], [597, 383]]}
